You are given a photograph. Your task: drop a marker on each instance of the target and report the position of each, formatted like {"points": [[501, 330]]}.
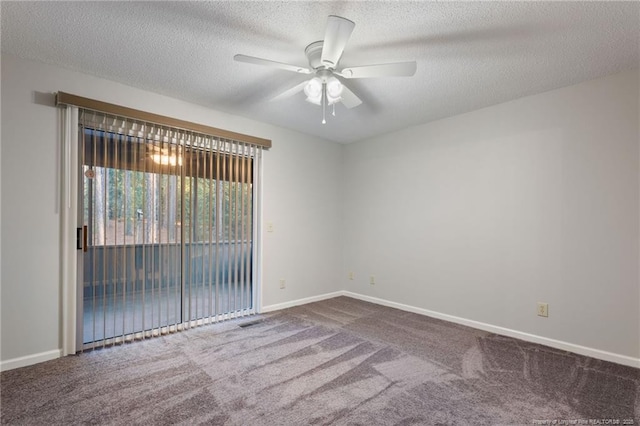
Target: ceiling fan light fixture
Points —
{"points": [[317, 99]]}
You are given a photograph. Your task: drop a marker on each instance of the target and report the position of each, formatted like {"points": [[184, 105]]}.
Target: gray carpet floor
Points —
{"points": [[340, 361]]}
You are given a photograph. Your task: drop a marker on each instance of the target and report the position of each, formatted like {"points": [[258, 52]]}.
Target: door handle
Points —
{"points": [[81, 240], [78, 239]]}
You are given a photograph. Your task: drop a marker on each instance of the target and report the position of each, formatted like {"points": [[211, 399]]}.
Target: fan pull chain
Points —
{"points": [[324, 102], [334, 110]]}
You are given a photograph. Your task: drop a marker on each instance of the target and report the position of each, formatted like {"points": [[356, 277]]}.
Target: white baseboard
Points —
{"points": [[292, 303], [558, 344], [25, 361]]}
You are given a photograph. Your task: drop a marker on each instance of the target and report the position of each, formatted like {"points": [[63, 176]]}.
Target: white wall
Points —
{"points": [[482, 215], [300, 198]]}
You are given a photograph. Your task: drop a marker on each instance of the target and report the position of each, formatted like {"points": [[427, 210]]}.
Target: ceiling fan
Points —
{"points": [[325, 89]]}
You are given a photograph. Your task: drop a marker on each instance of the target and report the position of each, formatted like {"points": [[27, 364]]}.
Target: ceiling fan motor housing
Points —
{"points": [[314, 54]]}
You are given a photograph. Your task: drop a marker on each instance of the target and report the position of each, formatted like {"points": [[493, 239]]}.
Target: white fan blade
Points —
{"points": [[349, 99], [272, 64], [288, 93], [400, 69], [336, 37]]}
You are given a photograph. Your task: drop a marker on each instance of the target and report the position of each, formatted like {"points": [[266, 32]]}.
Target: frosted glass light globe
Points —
{"points": [[334, 87], [313, 89]]}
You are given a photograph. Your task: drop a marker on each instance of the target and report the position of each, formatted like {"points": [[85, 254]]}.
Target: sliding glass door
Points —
{"points": [[167, 229]]}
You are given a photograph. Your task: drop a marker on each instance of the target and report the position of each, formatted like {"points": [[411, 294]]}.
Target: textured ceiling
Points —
{"points": [[469, 55]]}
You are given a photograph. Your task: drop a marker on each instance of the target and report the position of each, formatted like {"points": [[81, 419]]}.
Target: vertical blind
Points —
{"points": [[168, 227]]}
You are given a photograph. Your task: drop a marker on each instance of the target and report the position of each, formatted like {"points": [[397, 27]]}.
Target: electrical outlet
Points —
{"points": [[372, 280], [351, 275], [543, 309], [283, 284]]}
